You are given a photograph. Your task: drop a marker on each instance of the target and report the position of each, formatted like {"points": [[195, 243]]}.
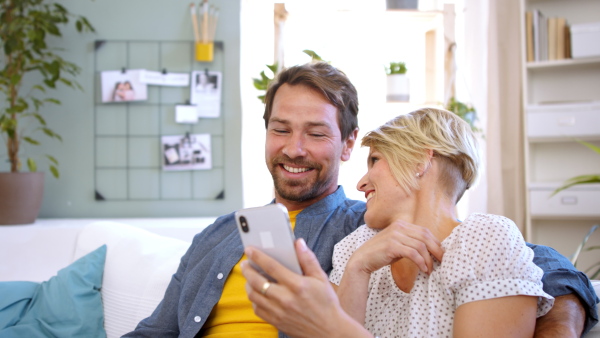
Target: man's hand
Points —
{"points": [[300, 306], [565, 320]]}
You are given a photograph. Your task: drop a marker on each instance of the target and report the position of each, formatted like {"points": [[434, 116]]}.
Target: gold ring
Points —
{"points": [[264, 288]]}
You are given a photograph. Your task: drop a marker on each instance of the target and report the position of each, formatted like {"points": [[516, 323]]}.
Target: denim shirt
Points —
{"points": [[197, 285]]}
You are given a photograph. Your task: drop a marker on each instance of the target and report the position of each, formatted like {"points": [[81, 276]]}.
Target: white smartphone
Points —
{"points": [[268, 229]]}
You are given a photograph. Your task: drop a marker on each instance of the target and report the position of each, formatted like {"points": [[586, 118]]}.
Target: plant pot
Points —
{"points": [[397, 88], [20, 197], [402, 4]]}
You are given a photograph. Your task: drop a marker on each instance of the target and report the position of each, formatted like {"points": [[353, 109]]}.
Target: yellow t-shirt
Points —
{"points": [[233, 315]]}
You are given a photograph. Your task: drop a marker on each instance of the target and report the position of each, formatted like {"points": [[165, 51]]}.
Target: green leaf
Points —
{"points": [[314, 56], [79, 26], [31, 141], [274, 67], [54, 171], [67, 82], [55, 101], [15, 79], [40, 88], [31, 165], [591, 146], [40, 119], [259, 84], [52, 159], [582, 179], [594, 275], [575, 255]]}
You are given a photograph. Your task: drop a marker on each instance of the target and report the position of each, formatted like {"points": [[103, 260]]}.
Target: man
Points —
{"points": [[311, 120]]}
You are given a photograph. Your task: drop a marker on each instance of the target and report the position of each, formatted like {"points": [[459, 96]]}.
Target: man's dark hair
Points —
{"points": [[327, 80]]}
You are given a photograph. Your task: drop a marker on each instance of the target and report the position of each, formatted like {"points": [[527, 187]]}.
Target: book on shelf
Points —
{"points": [[536, 35], [568, 42], [529, 35], [547, 38], [561, 23], [543, 22], [552, 38]]}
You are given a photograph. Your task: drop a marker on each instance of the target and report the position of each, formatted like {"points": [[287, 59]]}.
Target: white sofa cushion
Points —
{"points": [[138, 269]]}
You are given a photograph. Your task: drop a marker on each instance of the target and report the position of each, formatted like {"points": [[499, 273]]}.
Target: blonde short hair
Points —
{"points": [[405, 141]]}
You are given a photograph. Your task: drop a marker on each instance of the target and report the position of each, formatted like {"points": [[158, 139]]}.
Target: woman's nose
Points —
{"points": [[362, 183]]}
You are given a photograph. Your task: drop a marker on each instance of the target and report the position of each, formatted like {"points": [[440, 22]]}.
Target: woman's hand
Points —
{"points": [[398, 240], [300, 306]]}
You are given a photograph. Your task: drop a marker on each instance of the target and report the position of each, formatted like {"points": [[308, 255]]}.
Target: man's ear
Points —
{"points": [[349, 145]]}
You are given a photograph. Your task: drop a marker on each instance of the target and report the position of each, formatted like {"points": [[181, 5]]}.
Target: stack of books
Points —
{"points": [[548, 38]]}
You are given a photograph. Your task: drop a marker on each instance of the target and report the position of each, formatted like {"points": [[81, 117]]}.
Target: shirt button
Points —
{"points": [[197, 319], [220, 276]]}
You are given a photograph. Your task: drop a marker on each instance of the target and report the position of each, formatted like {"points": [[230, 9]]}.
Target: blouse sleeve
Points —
{"points": [[344, 249], [490, 260]]}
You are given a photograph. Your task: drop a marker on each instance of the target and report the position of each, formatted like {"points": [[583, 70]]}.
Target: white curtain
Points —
{"points": [[493, 70]]}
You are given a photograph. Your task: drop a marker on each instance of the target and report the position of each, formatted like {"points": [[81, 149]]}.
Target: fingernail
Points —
{"points": [[243, 263], [248, 252], [303, 246]]}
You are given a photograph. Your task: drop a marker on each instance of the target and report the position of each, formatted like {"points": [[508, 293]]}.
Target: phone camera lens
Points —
{"points": [[244, 224]]}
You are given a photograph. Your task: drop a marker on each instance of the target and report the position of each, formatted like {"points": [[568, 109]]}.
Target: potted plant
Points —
{"points": [[577, 180], [26, 26], [262, 83], [397, 82], [465, 111]]}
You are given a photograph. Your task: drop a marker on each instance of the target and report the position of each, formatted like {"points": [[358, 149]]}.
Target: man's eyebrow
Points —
{"points": [[307, 124], [276, 119]]}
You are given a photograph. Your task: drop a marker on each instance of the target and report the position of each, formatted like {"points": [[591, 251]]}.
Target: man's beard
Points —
{"points": [[300, 190]]}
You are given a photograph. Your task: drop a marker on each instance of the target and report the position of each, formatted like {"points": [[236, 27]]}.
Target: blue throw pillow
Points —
{"points": [[67, 305]]}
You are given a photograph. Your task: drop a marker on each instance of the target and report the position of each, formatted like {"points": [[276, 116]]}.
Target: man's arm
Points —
{"points": [[566, 319], [574, 311]]}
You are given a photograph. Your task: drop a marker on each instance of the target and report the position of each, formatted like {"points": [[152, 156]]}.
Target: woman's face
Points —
{"points": [[382, 191]]}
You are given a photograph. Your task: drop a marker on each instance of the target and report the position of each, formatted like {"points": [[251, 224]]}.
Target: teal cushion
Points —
{"points": [[67, 305]]}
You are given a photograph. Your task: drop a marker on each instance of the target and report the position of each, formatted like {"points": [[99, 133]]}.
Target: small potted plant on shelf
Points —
{"points": [[29, 68], [397, 82]]}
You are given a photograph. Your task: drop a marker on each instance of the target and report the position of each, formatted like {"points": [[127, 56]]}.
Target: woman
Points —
{"points": [[419, 166]]}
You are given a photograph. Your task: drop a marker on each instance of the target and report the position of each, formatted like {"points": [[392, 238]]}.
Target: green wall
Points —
{"points": [[149, 20]]}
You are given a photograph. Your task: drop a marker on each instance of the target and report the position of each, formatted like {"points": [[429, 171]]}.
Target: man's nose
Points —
{"points": [[295, 147]]}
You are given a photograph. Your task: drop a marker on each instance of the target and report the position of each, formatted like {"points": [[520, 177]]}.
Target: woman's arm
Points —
{"points": [[512, 316], [398, 240]]}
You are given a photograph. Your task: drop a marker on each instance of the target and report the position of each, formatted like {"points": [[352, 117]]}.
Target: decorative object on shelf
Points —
{"points": [[26, 27], [465, 111], [397, 82], [402, 4], [263, 82], [581, 179], [584, 40], [592, 274], [204, 29]]}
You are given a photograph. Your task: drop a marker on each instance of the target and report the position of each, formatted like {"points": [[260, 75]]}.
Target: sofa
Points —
{"points": [[137, 267]]}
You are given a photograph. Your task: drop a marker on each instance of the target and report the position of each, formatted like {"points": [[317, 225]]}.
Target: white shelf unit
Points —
{"points": [[561, 102]]}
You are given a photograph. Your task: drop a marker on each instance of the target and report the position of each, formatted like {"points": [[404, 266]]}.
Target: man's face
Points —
{"points": [[304, 146]]}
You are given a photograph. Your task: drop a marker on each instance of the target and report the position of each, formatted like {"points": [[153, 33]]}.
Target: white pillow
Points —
{"points": [[138, 269]]}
